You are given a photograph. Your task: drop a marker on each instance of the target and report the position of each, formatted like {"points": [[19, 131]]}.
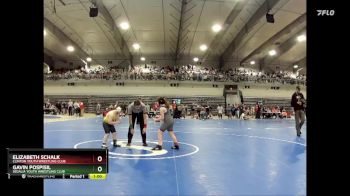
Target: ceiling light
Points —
{"points": [[295, 66], [70, 48], [203, 47], [301, 38], [124, 25], [216, 28], [88, 59], [252, 62], [44, 32], [195, 59], [272, 52], [143, 58], [136, 46]]}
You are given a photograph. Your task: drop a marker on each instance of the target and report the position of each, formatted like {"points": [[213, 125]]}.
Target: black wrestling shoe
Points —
{"points": [[158, 147], [128, 144], [116, 145], [145, 144], [175, 147]]}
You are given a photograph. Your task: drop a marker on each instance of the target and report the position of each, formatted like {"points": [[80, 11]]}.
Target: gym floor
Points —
{"points": [[216, 157]]}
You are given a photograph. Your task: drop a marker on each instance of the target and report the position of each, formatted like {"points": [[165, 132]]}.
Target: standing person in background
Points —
{"points": [[257, 110], [64, 107], [252, 110], [70, 107], [298, 103], [202, 113], [177, 113], [76, 108], [207, 111], [228, 111], [235, 111], [220, 110], [193, 110], [98, 109], [174, 105], [82, 108], [241, 110]]}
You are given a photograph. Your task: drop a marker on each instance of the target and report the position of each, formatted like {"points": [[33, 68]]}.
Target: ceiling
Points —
{"points": [[173, 30]]}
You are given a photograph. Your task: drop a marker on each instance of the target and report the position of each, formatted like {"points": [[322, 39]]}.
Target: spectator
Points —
{"points": [[76, 108], [70, 108], [194, 73], [257, 110], [228, 111], [220, 110], [98, 109], [82, 108]]}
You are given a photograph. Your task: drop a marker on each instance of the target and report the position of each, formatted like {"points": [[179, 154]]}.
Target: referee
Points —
{"points": [[138, 110]]}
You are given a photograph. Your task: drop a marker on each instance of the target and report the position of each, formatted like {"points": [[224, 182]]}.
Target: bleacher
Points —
{"points": [[90, 102], [285, 103], [276, 101], [123, 101], [61, 98]]}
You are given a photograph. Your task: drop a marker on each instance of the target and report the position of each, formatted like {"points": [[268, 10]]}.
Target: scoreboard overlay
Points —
{"points": [[57, 163]]}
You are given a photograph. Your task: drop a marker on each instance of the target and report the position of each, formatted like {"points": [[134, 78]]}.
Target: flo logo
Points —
{"points": [[325, 12], [137, 151]]}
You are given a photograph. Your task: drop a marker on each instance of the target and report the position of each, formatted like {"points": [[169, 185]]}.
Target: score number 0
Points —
{"points": [[99, 159]]}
